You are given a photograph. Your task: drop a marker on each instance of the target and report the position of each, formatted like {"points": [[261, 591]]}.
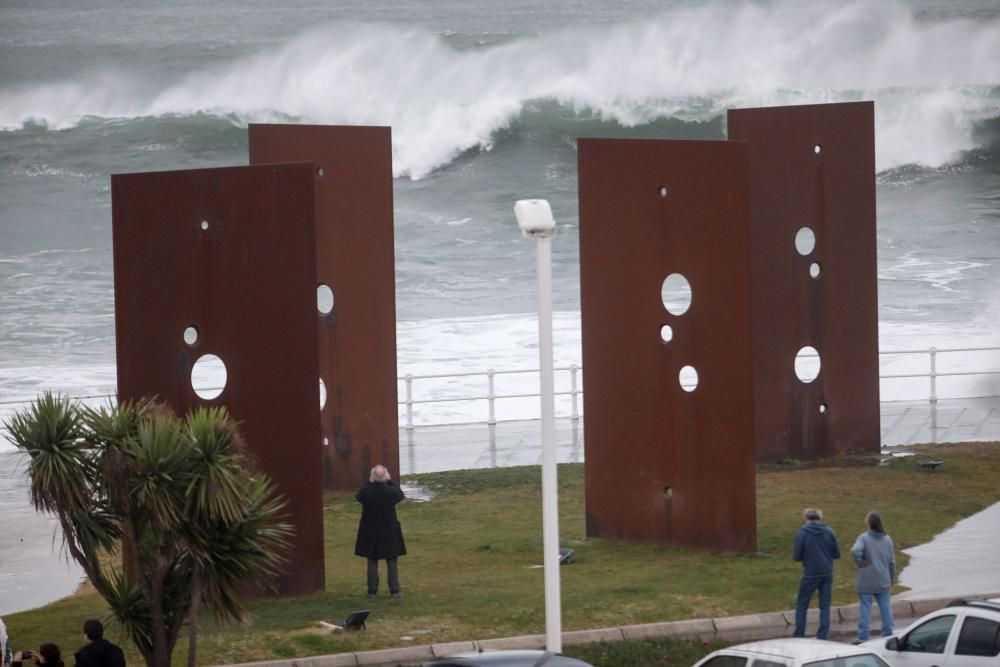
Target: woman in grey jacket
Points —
{"points": [[875, 557]]}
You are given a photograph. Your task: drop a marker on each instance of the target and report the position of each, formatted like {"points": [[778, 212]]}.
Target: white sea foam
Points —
{"points": [[474, 345], [932, 81], [940, 274]]}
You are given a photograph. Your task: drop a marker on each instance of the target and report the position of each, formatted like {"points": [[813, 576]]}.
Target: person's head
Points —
{"points": [[379, 474], [48, 654], [874, 522], [92, 629], [812, 514]]}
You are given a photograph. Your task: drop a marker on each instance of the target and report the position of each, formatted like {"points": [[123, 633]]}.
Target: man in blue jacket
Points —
{"points": [[816, 548]]}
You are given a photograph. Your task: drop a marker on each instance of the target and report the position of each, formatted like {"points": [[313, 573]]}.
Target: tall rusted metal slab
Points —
{"points": [[229, 252], [354, 258], [663, 464], [813, 166]]}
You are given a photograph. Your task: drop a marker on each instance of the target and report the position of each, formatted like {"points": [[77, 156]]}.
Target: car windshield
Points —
{"points": [[863, 660]]}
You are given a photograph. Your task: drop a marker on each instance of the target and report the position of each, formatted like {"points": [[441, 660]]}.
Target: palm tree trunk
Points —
{"points": [[194, 617]]}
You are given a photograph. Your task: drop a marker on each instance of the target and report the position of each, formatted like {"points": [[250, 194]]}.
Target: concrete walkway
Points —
{"points": [[959, 420], [728, 628], [480, 445]]}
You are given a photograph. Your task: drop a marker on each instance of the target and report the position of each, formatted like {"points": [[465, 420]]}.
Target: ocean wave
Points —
{"points": [[934, 82], [46, 170], [939, 274]]}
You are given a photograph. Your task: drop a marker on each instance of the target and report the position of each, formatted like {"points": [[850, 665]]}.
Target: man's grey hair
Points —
{"points": [[812, 514], [379, 473]]}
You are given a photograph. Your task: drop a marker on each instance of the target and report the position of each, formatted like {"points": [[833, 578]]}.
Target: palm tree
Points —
{"points": [[196, 525]]}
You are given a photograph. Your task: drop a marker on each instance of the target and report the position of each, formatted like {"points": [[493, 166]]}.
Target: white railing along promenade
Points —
{"points": [[435, 389], [490, 396]]}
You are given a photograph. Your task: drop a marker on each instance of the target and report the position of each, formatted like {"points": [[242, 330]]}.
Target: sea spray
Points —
{"points": [[933, 82]]}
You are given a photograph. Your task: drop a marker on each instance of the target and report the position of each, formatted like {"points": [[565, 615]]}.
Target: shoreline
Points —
{"points": [[35, 570]]}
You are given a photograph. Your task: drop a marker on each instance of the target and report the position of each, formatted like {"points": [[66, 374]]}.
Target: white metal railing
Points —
{"points": [[491, 397], [932, 374]]}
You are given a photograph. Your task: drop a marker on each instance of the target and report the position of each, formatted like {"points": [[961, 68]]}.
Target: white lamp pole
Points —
{"points": [[534, 217]]}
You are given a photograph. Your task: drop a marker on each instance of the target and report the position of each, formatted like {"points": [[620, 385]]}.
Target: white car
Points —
{"points": [[966, 633], [793, 652]]}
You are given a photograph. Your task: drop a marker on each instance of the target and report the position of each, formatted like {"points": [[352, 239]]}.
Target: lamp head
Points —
{"points": [[534, 217]]}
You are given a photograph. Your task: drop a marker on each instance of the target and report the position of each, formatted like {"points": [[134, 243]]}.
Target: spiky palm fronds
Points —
{"points": [[196, 523], [250, 550], [160, 465], [131, 609], [218, 480], [51, 432]]}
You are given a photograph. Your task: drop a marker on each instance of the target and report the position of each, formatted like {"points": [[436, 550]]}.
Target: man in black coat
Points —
{"points": [[98, 651], [380, 537]]}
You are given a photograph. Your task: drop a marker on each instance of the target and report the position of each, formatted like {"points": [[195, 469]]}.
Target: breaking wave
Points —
{"points": [[935, 83]]}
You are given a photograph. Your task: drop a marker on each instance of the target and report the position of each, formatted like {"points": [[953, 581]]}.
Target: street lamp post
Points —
{"points": [[534, 217]]}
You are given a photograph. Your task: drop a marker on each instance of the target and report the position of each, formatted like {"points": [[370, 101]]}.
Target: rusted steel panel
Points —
{"points": [[831, 190], [247, 283], [355, 258], [645, 434]]}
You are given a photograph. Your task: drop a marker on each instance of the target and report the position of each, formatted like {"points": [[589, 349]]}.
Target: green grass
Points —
{"points": [[470, 574]]}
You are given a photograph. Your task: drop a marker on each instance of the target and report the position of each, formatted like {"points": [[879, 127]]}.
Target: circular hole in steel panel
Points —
{"points": [[805, 241], [191, 335], [208, 376], [322, 394], [668, 492], [807, 364], [823, 409], [663, 191], [326, 442], [815, 270], [319, 171], [676, 294], [688, 378], [324, 299], [666, 333], [817, 149], [204, 225]]}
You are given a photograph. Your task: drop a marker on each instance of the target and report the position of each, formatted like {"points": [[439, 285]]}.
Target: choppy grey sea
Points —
{"points": [[486, 100]]}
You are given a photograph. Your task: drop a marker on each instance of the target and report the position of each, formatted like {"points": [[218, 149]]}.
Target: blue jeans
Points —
{"points": [[824, 583], [865, 619]]}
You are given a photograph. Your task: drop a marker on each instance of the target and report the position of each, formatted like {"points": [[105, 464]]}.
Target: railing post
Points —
{"points": [[573, 393], [933, 376], [409, 402], [491, 396]]}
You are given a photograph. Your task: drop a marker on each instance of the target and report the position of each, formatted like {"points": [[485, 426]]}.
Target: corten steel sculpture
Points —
{"points": [[221, 262], [355, 260], [664, 464], [813, 167]]}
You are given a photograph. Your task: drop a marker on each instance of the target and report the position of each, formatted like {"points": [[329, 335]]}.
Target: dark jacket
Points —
{"points": [[379, 533], [100, 653], [816, 547]]}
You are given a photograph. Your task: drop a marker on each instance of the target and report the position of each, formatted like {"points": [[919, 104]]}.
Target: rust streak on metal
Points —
{"points": [[665, 465], [813, 166], [230, 252], [355, 258]]}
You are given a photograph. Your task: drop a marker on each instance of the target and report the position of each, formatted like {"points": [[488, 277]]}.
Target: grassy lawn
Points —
{"points": [[474, 549]]}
